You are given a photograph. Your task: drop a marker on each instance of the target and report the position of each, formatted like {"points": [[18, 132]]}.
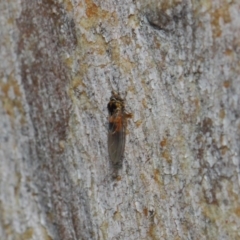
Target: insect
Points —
{"points": [[117, 129]]}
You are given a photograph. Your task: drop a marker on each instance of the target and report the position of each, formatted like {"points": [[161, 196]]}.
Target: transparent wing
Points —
{"points": [[116, 142]]}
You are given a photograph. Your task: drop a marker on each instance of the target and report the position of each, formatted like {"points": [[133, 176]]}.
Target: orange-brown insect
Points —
{"points": [[117, 129]]}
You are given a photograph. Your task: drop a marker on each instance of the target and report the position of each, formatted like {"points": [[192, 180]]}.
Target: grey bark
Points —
{"points": [[176, 64]]}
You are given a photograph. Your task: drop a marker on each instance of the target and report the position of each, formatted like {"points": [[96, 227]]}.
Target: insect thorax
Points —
{"points": [[115, 105]]}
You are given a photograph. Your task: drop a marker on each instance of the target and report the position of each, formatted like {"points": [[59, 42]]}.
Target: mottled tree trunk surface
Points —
{"points": [[177, 65]]}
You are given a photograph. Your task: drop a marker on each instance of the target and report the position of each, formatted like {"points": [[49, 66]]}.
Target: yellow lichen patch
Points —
{"points": [[231, 193], [122, 61], [193, 111], [157, 177], [138, 123], [118, 178], [228, 52], [222, 114], [62, 145], [101, 48], [237, 211], [94, 13], [152, 232], [144, 103], [28, 234], [226, 214], [133, 22], [11, 97], [166, 4], [84, 101], [145, 181], [157, 43], [115, 51], [226, 219], [226, 84], [196, 103], [11, 83], [17, 185], [224, 150], [212, 212], [126, 65], [126, 40], [165, 151], [8, 107], [224, 13], [8, 228], [215, 25], [92, 9], [117, 216], [45, 234], [221, 13], [203, 5], [163, 143], [50, 216], [68, 5], [11, 20], [68, 62], [165, 154], [76, 82], [104, 229], [93, 45], [222, 138]]}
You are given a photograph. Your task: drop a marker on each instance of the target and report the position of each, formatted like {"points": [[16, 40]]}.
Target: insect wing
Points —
{"points": [[116, 138]]}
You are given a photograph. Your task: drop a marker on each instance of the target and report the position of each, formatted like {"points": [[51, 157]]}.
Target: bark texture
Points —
{"points": [[177, 65]]}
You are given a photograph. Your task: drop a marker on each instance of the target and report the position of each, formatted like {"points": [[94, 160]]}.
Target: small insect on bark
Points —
{"points": [[117, 129]]}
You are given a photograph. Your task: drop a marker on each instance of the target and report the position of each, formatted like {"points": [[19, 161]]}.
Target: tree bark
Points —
{"points": [[176, 65]]}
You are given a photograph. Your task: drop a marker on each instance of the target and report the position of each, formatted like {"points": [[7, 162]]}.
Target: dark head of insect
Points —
{"points": [[115, 104]]}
